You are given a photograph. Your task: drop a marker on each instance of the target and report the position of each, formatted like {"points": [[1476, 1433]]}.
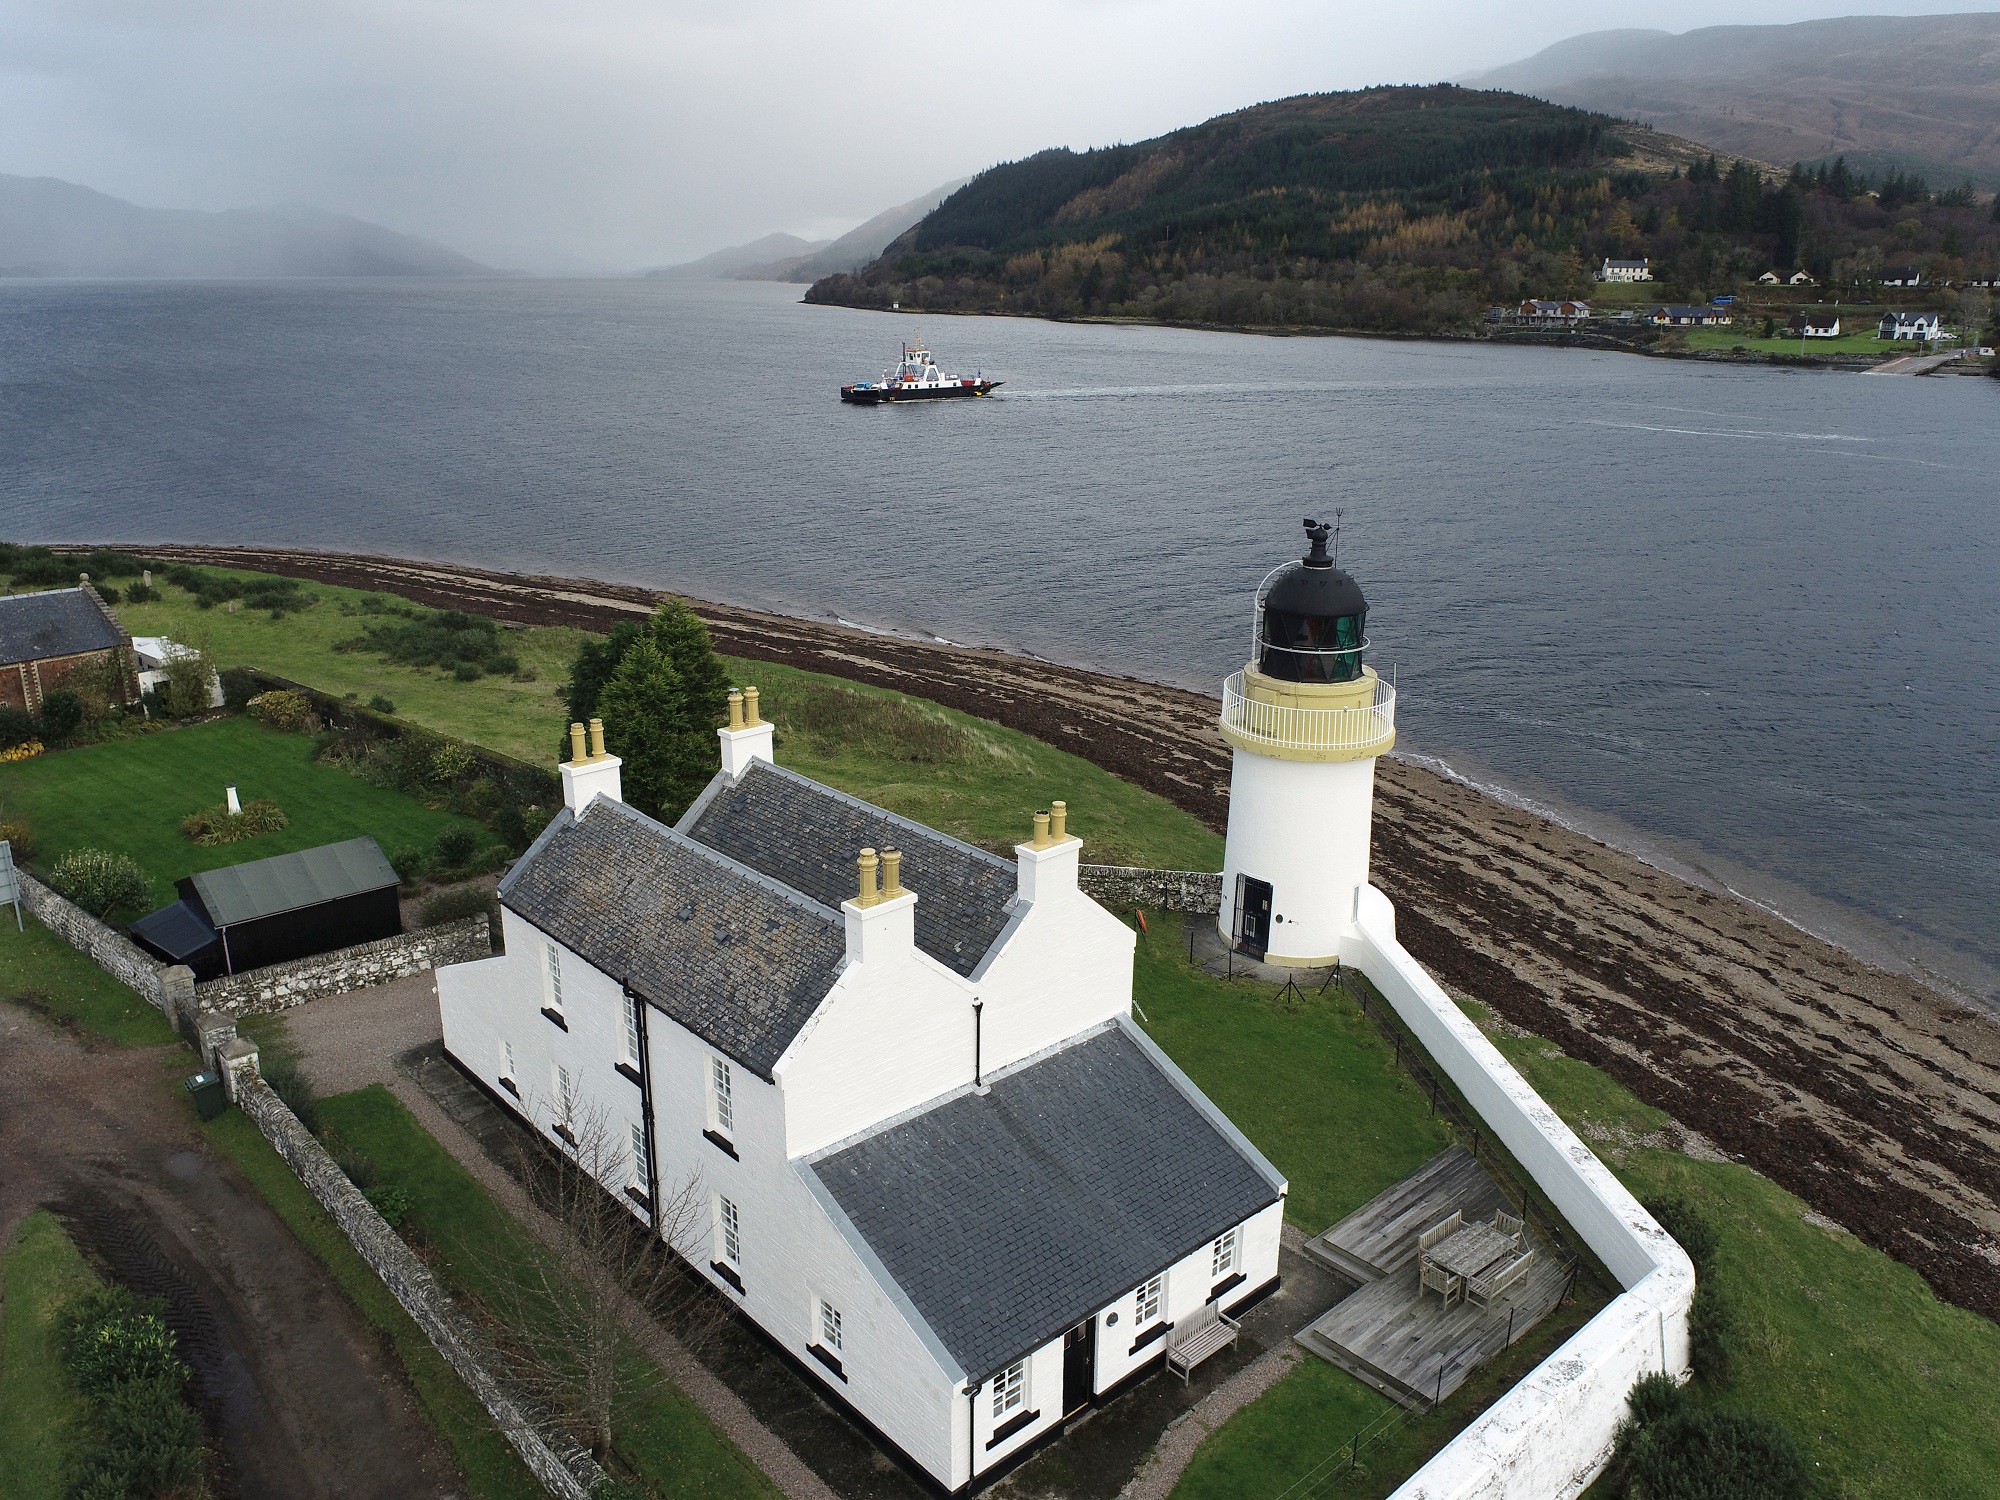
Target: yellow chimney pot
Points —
{"points": [[1058, 821], [576, 750], [870, 893], [750, 708], [735, 709], [597, 739], [892, 874], [1041, 838]]}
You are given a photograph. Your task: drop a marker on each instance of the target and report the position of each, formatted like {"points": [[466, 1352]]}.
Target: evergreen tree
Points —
{"points": [[641, 706], [683, 640], [592, 669]]}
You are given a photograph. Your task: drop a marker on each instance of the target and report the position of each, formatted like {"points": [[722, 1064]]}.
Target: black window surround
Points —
{"points": [[1011, 1426], [1151, 1336], [554, 1017], [510, 1086], [638, 1196], [1225, 1286], [727, 1273], [827, 1358], [721, 1143], [563, 1133], [632, 1073]]}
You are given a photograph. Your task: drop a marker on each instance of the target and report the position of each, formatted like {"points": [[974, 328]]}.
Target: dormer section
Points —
{"points": [[747, 737], [590, 771]]}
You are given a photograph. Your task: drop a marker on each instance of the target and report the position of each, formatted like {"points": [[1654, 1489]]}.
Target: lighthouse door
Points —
{"points": [[1253, 916]]}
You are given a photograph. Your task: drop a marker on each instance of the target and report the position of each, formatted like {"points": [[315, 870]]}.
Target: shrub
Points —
{"points": [[466, 671], [382, 705], [454, 905], [63, 713], [217, 825], [409, 864], [152, 1442], [449, 639], [1671, 1448], [108, 592], [1712, 1334], [455, 845], [190, 683], [359, 1169], [1689, 1226], [291, 1085], [500, 665], [17, 726], [139, 593], [104, 563], [392, 1203], [100, 882], [40, 568], [110, 1339], [26, 750], [284, 709], [450, 761], [239, 686], [20, 837]]}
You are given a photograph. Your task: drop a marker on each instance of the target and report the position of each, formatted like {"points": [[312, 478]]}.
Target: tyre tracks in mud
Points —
{"points": [[1872, 1097]]}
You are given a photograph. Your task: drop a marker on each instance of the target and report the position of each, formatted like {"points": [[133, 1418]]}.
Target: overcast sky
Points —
{"points": [[609, 134]]}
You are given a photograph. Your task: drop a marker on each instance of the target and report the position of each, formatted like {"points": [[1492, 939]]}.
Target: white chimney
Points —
{"points": [[589, 772], [1048, 862], [881, 919], [747, 737]]}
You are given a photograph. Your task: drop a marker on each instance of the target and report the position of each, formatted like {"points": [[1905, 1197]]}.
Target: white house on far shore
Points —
{"points": [[937, 1163], [1625, 270], [1817, 325], [1909, 325]]}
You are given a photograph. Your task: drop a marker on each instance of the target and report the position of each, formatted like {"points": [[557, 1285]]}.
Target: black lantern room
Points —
{"points": [[1312, 618]]}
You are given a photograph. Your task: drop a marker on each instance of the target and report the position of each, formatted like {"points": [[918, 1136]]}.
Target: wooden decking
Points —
{"points": [[1410, 1347]]}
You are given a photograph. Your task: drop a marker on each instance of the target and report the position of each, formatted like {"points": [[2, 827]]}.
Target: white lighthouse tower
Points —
{"points": [[1307, 719]]}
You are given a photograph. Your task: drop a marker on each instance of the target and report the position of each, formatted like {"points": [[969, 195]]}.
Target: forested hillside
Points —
{"points": [[1395, 209]]}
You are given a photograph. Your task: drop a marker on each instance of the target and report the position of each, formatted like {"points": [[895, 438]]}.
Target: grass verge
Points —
{"points": [[44, 1421], [130, 795], [666, 1442], [493, 1471], [42, 972]]}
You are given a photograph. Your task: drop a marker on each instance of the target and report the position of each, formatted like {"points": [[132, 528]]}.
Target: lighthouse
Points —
{"points": [[1307, 718]]}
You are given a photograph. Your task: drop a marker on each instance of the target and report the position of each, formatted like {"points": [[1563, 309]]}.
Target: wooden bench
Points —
{"points": [[1207, 1330], [1481, 1290], [1443, 1230]]}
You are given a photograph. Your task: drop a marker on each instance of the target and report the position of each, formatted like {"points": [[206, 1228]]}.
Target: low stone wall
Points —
{"points": [[170, 987], [569, 1476], [1162, 890], [281, 986]]}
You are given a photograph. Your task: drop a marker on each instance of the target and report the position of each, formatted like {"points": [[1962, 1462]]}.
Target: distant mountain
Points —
{"points": [[53, 228], [1908, 93], [737, 259], [859, 245]]}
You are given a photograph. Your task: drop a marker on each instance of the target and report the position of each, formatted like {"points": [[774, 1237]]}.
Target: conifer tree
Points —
{"points": [[642, 710]]}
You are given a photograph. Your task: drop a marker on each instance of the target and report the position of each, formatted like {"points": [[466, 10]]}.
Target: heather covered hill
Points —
{"points": [[1409, 209]]}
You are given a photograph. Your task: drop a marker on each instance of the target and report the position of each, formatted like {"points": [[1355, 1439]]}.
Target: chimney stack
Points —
{"points": [[1048, 861], [591, 772], [747, 736], [882, 916]]}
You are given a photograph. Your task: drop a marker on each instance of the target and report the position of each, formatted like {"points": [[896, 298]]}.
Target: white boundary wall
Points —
{"points": [[1549, 1436]]}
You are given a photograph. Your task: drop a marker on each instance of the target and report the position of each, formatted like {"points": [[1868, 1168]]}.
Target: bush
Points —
{"points": [[139, 593], [382, 705], [1712, 1333], [449, 639], [108, 592], [63, 713], [26, 750], [20, 837], [239, 686], [152, 1442], [100, 882], [409, 864], [17, 726], [1671, 1448], [40, 568], [190, 684], [1689, 1226], [449, 762], [291, 1085], [465, 671], [359, 1169], [454, 905], [110, 1339], [105, 563], [217, 825], [500, 665], [284, 709], [455, 845], [392, 1203]]}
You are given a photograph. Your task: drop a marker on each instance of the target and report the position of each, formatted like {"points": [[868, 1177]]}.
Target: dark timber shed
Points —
{"points": [[271, 910]]}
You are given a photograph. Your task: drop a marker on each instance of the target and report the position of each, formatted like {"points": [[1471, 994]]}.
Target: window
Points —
{"points": [[722, 1096], [732, 1240], [1224, 1259], [829, 1325], [642, 1166], [554, 959], [631, 1031], [1010, 1389], [1148, 1301], [565, 1096], [507, 1060]]}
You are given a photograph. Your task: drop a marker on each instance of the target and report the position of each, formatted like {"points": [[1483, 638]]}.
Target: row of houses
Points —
{"points": [[1574, 313], [1896, 276]]}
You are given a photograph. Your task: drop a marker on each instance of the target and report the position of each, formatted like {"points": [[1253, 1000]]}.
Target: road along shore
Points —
{"points": [[1869, 1095]]}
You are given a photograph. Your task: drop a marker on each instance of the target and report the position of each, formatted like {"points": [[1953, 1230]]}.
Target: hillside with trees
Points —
{"points": [[1401, 209]]}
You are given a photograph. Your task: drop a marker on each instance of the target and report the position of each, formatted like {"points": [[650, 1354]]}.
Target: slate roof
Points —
{"points": [[731, 955], [58, 622], [286, 882], [1007, 1218], [806, 836]]}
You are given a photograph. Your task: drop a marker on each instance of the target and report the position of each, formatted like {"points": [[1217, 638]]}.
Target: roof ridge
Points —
{"points": [[924, 829]]}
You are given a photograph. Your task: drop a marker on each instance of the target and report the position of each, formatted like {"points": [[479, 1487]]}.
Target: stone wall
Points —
{"points": [[571, 1475], [1120, 886], [167, 986], [281, 986]]}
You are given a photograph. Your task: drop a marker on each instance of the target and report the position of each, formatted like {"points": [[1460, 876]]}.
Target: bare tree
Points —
{"points": [[591, 1262]]}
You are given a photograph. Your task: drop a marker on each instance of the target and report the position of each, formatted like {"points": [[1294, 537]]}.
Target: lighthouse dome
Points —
{"points": [[1311, 618]]}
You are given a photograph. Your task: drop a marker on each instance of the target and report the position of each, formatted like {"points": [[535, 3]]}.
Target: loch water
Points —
{"points": [[1744, 620]]}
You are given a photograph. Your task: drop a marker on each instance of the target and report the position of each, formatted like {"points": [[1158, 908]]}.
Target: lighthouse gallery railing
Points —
{"points": [[1309, 728]]}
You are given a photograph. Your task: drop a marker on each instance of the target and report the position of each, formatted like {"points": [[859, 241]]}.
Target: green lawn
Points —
{"points": [[492, 1469], [39, 970], [130, 795], [664, 1439], [514, 718], [1850, 344], [43, 1420]]}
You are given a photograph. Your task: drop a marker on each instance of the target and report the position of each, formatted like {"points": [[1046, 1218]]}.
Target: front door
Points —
{"points": [[1253, 916], [1079, 1365]]}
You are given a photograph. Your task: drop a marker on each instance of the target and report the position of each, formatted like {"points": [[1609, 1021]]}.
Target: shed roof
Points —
{"points": [[805, 836], [287, 882], [729, 953], [1009, 1216], [57, 622], [178, 932]]}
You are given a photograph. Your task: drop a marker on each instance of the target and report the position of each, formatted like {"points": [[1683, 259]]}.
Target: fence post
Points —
{"points": [[1434, 1098]]}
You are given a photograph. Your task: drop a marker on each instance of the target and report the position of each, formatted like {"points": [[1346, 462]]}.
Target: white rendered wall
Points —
{"points": [[1549, 1436], [1045, 1396], [1304, 826]]}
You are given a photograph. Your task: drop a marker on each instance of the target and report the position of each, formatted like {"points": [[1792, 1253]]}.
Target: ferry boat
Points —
{"points": [[916, 378]]}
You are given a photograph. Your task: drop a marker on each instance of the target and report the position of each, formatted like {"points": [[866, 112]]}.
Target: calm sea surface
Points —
{"points": [[1747, 621]]}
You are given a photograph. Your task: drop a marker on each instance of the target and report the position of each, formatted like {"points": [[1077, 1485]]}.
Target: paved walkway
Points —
{"points": [[1913, 364]]}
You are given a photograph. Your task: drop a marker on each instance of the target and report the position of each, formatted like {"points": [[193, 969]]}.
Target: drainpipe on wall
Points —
{"points": [[646, 1104], [978, 1041]]}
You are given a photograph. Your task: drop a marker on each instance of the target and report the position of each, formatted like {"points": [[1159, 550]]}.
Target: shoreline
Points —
{"points": [[1867, 1092]]}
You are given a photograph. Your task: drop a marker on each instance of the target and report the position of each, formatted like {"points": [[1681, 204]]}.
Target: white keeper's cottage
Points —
{"points": [[943, 1169]]}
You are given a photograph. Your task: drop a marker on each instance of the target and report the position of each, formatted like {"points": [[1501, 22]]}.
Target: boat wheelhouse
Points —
{"points": [[916, 377]]}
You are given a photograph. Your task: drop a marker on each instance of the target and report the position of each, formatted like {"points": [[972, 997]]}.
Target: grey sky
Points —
{"points": [[606, 134]]}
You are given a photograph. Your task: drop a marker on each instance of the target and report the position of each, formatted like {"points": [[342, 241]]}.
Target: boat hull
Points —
{"points": [[886, 396]]}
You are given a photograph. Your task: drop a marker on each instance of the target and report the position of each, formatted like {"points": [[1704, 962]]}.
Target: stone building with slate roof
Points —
{"points": [[940, 1167], [57, 639]]}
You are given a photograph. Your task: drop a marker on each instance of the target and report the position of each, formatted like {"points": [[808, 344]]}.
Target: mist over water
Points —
{"points": [[1744, 619]]}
